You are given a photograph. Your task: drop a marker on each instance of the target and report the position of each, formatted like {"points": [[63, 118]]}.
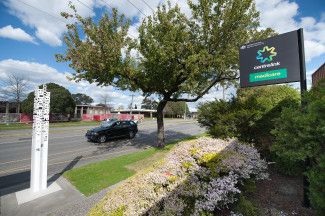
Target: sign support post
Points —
{"points": [[303, 89], [303, 82]]}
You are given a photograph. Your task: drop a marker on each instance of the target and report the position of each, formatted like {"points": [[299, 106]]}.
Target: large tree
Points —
{"points": [[177, 56], [61, 101], [82, 99], [174, 109], [149, 103]]}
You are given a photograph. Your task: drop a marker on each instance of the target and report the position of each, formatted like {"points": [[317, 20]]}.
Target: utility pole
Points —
{"points": [[7, 113], [131, 104], [184, 110]]}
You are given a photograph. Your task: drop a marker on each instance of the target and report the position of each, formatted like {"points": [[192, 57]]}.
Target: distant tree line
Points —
{"points": [[172, 109]]}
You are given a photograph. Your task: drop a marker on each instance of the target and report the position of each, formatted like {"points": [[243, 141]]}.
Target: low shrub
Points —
{"points": [[299, 136], [245, 207], [316, 177], [250, 115], [196, 178]]}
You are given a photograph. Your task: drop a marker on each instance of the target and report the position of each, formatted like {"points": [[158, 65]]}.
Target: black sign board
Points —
{"points": [[271, 61]]}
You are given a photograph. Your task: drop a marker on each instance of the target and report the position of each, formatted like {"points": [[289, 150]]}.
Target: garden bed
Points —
{"points": [[197, 177]]}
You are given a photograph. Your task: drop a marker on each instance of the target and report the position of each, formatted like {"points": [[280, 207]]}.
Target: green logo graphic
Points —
{"points": [[266, 51]]}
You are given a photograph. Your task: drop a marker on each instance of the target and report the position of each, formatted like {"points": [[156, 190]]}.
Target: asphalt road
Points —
{"points": [[68, 148]]}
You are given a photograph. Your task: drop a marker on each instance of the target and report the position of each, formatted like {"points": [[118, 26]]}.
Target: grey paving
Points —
{"points": [[44, 205], [67, 149]]}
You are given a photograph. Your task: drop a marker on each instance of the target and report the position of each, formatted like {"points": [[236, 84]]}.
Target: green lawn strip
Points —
{"points": [[20, 126], [94, 177]]}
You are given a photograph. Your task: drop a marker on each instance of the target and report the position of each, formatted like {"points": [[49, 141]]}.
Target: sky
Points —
{"points": [[31, 34]]}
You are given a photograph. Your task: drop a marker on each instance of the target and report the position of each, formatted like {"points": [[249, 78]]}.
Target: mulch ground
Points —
{"points": [[280, 195]]}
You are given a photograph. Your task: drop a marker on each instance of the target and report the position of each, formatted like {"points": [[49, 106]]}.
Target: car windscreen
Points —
{"points": [[107, 124]]}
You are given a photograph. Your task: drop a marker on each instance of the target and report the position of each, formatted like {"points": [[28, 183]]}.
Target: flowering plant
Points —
{"points": [[196, 177]]}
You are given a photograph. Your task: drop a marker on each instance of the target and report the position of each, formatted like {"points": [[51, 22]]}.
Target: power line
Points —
{"points": [[148, 5], [36, 8], [109, 5], [87, 6], [136, 8], [42, 11]]}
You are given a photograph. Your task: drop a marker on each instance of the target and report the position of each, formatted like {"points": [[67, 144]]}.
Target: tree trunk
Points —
{"points": [[160, 124]]}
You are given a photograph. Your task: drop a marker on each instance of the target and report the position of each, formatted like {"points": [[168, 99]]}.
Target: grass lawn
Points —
{"points": [[18, 126], [94, 177]]}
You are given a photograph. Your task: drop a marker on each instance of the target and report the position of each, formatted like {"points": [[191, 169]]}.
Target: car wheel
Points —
{"points": [[102, 139], [131, 134]]}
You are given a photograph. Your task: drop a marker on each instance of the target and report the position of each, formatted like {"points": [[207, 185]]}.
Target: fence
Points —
{"points": [[90, 117]]}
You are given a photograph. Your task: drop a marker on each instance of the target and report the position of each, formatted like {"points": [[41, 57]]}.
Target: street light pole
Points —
{"points": [[184, 110], [131, 104]]}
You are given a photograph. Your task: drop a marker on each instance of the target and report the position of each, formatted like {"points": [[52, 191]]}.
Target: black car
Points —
{"points": [[112, 129]]}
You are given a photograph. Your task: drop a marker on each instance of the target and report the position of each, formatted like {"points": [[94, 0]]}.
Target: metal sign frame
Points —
{"points": [[274, 60]]}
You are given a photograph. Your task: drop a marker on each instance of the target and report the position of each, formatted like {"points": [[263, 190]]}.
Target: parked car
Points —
{"points": [[112, 129]]}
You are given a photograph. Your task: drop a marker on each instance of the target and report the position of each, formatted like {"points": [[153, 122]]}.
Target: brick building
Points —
{"points": [[318, 74]]}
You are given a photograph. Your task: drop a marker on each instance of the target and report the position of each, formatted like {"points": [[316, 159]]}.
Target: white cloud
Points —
{"points": [[281, 15], [16, 34], [313, 49], [49, 26], [48, 37], [38, 74], [45, 16]]}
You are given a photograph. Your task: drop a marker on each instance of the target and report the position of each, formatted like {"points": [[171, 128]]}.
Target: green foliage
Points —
{"points": [[119, 211], [61, 100], [174, 109], [213, 160], [287, 167], [316, 177], [187, 165], [300, 135], [250, 116], [249, 186], [82, 99], [246, 207], [218, 117]]}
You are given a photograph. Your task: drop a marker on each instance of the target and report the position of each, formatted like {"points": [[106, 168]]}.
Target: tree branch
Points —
{"points": [[203, 92]]}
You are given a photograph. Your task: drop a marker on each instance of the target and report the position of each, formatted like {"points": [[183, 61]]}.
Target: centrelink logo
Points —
{"points": [[266, 54]]}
